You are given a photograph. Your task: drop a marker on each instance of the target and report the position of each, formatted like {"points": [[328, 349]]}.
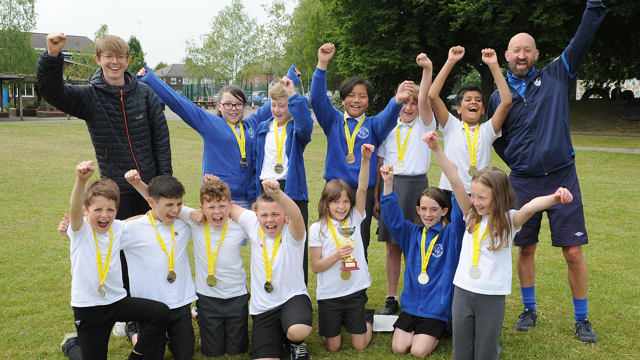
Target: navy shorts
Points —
{"points": [[420, 325], [566, 221], [346, 310], [224, 326]]}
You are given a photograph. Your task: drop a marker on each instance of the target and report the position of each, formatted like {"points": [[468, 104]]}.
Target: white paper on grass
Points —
{"points": [[384, 323]]}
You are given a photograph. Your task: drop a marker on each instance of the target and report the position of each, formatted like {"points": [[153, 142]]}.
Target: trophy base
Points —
{"points": [[349, 266]]}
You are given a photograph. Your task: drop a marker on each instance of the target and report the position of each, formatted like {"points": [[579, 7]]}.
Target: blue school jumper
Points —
{"points": [[432, 300], [298, 136], [221, 154], [535, 136], [373, 131]]}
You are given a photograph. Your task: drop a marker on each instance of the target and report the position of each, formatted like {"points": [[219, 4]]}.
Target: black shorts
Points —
{"points": [[420, 325], [346, 310], [566, 221], [270, 328], [224, 326]]}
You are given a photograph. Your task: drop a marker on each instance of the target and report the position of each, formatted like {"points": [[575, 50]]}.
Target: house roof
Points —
{"points": [[173, 70], [74, 42]]}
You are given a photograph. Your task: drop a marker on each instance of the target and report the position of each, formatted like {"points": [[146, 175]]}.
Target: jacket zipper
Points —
{"points": [[126, 126]]}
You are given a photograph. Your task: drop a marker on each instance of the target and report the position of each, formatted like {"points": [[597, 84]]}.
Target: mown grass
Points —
{"points": [[38, 161]]}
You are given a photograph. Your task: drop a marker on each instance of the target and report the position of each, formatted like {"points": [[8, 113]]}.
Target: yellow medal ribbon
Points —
{"points": [[240, 138], [425, 258], [351, 137], [333, 231], [267, 263], [473, 145], [172, 257], [402, 148], [103, 270], [280, 140], [211, 260], [476, 243]]}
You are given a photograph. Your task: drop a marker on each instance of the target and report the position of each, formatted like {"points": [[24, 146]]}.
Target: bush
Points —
{"points": [[9, 106], [32, 105]]}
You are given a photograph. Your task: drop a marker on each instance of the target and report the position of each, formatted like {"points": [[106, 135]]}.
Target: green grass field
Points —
{"points": [[38, 162]]}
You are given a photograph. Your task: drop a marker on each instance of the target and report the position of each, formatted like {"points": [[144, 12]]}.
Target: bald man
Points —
{"points": [[536, 145]]}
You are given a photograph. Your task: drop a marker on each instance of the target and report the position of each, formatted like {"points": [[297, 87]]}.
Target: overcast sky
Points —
{"points": [[162, 26]]}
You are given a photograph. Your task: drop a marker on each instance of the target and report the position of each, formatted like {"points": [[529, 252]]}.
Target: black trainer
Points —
{"points": [[526, 320], [391, 307], [585, 331], [70, 340], [298, 351], [130, 329]]}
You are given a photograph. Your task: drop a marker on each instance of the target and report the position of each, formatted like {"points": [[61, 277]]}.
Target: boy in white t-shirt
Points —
{"points": [[159, 266], [280, 306], [468, 143], [221, 281], [98, 297]]}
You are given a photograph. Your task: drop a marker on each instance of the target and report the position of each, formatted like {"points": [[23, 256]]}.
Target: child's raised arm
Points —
{"points": [[386, 171], [449, 169], [562, 195], [134, 179], [325, 53], [296, 221], [490, 58], [84, 170], [363, 178], [424, 105], [442, 114]]}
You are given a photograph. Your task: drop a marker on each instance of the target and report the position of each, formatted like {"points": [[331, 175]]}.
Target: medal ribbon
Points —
{"points": [[172, 257], [351, 137], [473, 145], [211, 260], [425, 258], [280, 140], [333, 231], [267, 263], [103, 270], [239, 138], [402, 148], [476, 243]]}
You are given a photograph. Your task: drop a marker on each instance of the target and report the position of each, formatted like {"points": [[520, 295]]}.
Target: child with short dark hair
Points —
{"points": [[97, 294]]}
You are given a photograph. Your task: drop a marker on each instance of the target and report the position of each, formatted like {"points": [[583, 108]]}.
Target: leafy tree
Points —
{"points": [[160, 65], [17, 19], [137, 55], [103, 30], [272, 57]]}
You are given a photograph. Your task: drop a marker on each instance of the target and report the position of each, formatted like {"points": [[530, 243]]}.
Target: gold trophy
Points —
{"points": [[349, 263]]}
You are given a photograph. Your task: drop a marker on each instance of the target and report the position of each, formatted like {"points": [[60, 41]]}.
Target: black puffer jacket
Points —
{"points": [[127, 126]]}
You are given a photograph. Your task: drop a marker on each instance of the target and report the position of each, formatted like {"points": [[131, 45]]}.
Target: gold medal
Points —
{"points": [[474, 272], [350, 159], [278, 168], [172, 276], [101, 290], [423, 278], [399, 166], [244, 163], [268, 287], [345, 275], [211, 280], [473, 170]]}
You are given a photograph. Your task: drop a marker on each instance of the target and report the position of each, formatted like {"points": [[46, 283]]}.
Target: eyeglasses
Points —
{"points": [[229, 106], [109, 57]]}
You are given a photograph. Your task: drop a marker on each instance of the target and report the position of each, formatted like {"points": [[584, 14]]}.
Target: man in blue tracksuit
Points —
{"points": [[536, 145]]}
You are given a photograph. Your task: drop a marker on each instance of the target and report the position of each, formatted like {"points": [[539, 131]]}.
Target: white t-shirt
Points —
{"points": [[228, 271], [417, 155], [286, 268], [271, 154], [85, 278], [149, 265], [457, 149], [495, 266], [330, 284]]}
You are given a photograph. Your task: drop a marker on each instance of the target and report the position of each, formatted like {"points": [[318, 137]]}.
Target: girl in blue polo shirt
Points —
{"points": [[228, 139], [432, 250]]}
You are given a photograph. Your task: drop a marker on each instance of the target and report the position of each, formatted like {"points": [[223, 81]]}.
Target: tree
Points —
{"points": [[231, 44], [272, 57], [160, 65], [137, 55], [17, 19], [103, 30]]}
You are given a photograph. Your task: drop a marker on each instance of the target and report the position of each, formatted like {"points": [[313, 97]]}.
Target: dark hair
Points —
{"points": [[347, 86], [165, 186], [332, 191], [101, 187], [263, 197], [233, 90], [464, 90], [440, 197]]}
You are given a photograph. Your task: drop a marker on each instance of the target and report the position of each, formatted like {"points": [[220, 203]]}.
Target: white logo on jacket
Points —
{"points": [[537, 81], [251, 132], [438, 250], [363, 133]]}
